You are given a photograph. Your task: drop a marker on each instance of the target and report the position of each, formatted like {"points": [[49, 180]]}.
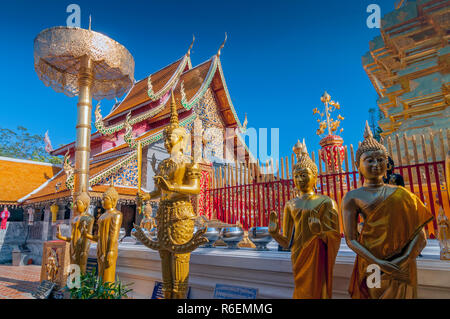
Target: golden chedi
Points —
{"points": [[310, 230], [107, 239], [79, 245], [392, 235], [176, 180]]}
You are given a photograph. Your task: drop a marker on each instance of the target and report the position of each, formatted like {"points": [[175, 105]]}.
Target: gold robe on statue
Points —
{"points": [[389, 227], [312, 256]]}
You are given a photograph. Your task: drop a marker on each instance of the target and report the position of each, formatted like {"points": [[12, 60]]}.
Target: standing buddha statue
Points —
{"points": [[392, 235], [107, 239], [79, 245], [310, 230], [176, 180]]}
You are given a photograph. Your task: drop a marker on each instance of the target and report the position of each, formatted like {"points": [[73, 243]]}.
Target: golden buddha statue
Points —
{"points": [[392, 235], [148, 222], [79, 245], [107, 239], [310, 230], [176, 180]]}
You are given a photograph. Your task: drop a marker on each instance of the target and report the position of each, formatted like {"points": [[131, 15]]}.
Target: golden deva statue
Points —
{"points": [[310, 230], [392, 235], [107, 239], [176, 179], [79, 245]]}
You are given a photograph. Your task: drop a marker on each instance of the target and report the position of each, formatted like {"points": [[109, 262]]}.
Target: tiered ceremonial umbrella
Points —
{"points": [[86, 63]]}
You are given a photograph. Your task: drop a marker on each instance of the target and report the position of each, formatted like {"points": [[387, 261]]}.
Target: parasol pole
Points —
{"points": [[83, 128]]}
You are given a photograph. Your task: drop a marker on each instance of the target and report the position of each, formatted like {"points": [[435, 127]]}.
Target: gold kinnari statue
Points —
{"points": [[79, 245], [392, 235], [107, 238], [310, 230], [176, 179]]}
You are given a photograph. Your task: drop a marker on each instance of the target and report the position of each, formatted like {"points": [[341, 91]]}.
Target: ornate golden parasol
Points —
{"points": [[88, 64]]}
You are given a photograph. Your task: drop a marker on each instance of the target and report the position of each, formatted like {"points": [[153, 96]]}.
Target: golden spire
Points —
{"points": [[173, 111], [190, 47], [223, 44]]}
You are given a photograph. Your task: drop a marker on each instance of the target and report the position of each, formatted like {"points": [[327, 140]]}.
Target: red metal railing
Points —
{"points": [[251, 203]]}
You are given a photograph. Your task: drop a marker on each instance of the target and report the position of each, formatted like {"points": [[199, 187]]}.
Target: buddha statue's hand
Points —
{"points": [[83, 230], [387, 266], [273, 223], [142, 197], [314, 224]]}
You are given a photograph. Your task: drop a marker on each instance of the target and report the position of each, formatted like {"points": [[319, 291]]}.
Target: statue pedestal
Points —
{"points": [[55, 262], [268, 271]]}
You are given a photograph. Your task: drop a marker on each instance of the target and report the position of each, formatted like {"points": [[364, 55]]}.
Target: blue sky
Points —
{"points": [[279, 58]]}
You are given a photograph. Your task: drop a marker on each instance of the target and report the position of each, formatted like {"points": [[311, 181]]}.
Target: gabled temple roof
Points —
{"points": [[56, 187], [195, 81], [161, 80], [19, 177]]}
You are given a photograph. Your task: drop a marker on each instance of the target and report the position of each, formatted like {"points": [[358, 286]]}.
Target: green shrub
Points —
{"points": [[92, 287]]}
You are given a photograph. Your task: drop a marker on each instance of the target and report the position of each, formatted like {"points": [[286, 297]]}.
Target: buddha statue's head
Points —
{"points": [[110, 198], [82, 202], [174, 134], [148, 210], [305, 170], [371, 156]]}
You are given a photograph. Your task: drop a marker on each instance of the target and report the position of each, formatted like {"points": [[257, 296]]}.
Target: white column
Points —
{"points": [[62, 211], [46, 223]]}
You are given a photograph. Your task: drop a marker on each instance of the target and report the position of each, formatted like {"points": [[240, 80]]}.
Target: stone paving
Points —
{"points": [[17, 282]]}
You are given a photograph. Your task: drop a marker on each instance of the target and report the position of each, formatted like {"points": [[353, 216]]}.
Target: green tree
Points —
{"points": [[376, 130], [21, 144]]}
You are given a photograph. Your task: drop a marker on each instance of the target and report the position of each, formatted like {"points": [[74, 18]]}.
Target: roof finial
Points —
{"points": [[367, 131], [173, 110], [190, 47], [223, 44], [89, 22]]}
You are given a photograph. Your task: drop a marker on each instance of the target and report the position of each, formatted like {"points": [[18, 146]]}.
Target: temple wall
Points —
{"points": [[17, 234], [269, 271]]}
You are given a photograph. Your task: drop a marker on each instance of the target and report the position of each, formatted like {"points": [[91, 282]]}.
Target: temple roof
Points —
{"points": [[99, 170], [189, 86], [160, 80], [20, 177]]}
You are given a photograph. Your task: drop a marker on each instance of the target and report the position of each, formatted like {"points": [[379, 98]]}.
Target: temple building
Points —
{"points": [[16, 233], [409, 65], [203, 104]]}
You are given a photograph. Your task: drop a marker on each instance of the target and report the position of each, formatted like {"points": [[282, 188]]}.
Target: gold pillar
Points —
{"points": [[83, 141]]}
